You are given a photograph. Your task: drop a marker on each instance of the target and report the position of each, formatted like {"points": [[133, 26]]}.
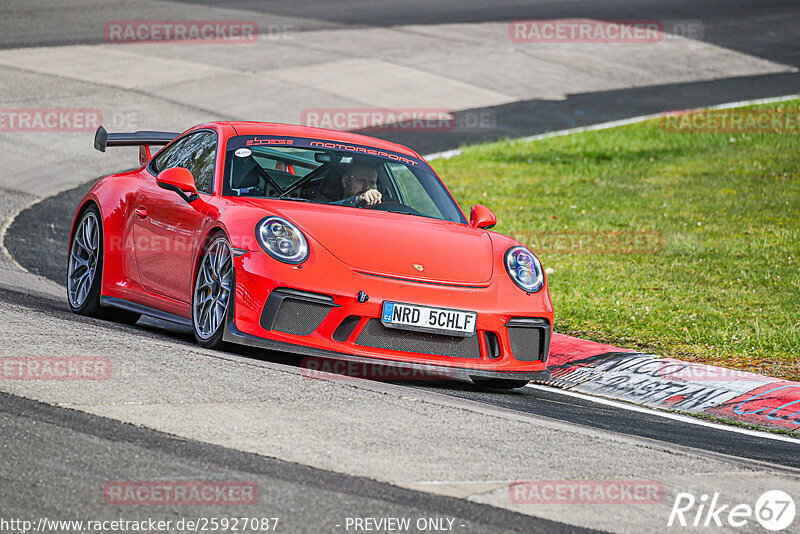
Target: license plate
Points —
{"points": [[427, 319]]}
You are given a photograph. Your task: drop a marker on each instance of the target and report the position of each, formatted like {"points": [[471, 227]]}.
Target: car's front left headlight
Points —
{"points": [[524, 269], [282, 240]]}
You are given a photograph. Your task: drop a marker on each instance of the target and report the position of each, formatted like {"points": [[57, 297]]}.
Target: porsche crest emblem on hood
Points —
{"points": [[419, 267]]}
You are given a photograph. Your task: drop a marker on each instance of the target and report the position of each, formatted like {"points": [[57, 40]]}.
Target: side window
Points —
{"points": [[195, 152], [163, 160]]}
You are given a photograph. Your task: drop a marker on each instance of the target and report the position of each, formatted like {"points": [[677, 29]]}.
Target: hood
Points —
{"points": [[392, 244]]}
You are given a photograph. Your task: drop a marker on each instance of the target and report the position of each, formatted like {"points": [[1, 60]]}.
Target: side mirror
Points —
{"points": [[179, 180], [482, 217]]}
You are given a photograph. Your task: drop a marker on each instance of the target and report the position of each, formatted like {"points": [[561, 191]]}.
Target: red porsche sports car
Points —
{"points": [[317, 242]]}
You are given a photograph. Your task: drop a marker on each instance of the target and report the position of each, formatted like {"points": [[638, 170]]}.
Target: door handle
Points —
{"points": [[140, 212]]}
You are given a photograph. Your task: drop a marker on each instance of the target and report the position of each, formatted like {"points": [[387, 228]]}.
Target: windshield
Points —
{"points": [[328, 172]]}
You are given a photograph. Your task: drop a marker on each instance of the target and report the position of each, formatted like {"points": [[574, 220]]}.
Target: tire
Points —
{"points": [[85, 271], [212, 292], [498, 383]]}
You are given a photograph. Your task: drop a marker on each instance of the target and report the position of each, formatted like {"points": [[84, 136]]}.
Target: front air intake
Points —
{"points": [[530, 338], [378, 336]]}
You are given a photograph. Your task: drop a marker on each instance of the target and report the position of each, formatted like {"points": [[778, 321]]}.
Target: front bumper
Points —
{"points": [[333, 289]]}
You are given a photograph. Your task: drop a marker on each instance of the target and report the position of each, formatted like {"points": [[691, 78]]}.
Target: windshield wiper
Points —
{"points": [[293, 198], [397, 211]]}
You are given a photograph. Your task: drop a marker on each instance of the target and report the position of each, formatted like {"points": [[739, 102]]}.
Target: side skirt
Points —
{"points": [[113, 302]]}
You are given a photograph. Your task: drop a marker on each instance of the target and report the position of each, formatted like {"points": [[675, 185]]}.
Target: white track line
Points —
{"points": [[613, 124], [665, 415], [7, 224]]}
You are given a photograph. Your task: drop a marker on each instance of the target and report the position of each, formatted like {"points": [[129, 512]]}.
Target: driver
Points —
{"points": [[359, 184]]}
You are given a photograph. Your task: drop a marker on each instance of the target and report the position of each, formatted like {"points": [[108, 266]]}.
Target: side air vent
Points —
{"points": [[492, 345], [292, 311]]}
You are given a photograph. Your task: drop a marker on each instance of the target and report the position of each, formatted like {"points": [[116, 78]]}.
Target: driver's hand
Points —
{"points": [[371, 197]]}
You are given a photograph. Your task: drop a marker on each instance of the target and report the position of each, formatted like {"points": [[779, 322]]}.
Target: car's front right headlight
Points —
{"points": [[524, 268], [282, 240]]}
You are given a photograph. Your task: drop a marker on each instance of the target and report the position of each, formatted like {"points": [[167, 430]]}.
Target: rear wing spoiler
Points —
{"points": [[144, 140]]}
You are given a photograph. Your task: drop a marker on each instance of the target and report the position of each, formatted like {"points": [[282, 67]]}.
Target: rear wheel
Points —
{"points": [[213, 288], [498, 383], [85, 271]]}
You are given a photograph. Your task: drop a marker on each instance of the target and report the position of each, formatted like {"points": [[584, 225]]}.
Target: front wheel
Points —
{"points": [[211, 297], [498, 383]]}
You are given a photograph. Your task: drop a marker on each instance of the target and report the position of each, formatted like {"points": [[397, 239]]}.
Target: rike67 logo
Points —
{"points": [[774, 510]]}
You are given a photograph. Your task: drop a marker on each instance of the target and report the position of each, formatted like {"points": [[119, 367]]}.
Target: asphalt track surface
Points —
{"points": [[767, 28], [90, 448], [80, 443]]}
